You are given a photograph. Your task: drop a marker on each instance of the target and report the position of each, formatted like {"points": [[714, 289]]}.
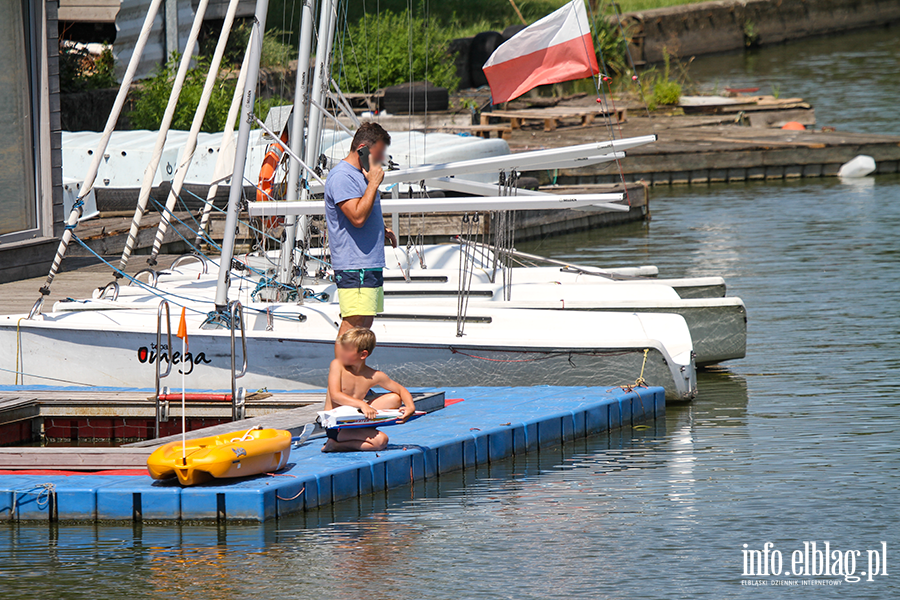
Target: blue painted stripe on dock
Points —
{"points": [[489, 425]]}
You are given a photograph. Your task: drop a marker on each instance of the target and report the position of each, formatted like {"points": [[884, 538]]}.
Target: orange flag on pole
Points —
{"points": [[182, 329]]}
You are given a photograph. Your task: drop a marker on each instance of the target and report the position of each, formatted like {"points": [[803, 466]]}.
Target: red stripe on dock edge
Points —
{"points": [[130, 472]]}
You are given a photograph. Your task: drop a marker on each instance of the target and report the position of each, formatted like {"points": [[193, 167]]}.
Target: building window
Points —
{"points": [[18, 194]]}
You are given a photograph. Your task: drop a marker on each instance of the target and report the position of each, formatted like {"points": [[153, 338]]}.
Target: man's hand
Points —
{"points": [[390, 236], [375, 175], [368, 411]]}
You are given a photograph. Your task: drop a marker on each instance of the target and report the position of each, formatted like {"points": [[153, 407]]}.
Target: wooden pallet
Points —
{"points": [[554, 115]]}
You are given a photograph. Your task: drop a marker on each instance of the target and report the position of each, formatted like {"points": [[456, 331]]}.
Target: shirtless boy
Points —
{"points": [[350, 382]]}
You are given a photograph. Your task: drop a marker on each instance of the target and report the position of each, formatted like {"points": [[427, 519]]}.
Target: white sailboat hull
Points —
{"points": [[116, 348]]}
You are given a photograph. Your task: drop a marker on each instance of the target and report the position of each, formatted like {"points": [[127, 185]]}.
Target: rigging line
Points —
{"points": [[346, 33], [377, 44], [166, 295], [637, 78], [287, 36], [606, 78], [198, 251], [247, 225], [426, 25], [140, 283], [409, 46], [601, 95], [366, 46], [24, 374]]}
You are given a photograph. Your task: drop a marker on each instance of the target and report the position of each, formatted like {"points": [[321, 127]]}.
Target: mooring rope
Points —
{"points": [[640, 381], [45, 493]]}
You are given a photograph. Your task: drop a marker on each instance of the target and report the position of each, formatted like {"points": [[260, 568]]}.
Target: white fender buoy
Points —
{"points": [[860, 166]]}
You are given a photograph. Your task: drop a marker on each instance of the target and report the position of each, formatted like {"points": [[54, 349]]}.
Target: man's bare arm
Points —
{"points": [[357, 210]]}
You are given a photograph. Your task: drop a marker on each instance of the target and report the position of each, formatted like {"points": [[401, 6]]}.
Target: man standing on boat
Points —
{"points": [[356, 230]]}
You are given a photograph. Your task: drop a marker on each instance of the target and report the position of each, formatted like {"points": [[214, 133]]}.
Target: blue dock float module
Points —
{"points": [[490, 424]]}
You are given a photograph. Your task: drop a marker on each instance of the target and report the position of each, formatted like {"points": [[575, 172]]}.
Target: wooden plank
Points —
{"points": [[292, 420], [91, 14], [553, 115], [75, 459], [77, 404]]}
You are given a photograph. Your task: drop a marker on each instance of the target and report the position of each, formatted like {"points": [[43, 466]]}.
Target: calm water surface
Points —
{"points": [[850, 79], [798, 442]]}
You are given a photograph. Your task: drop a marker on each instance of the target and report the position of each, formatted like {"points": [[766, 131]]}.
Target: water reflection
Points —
{"points": [[796, 442], [847, 78]]}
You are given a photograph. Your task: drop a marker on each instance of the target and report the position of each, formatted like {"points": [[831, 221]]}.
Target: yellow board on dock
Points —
{"points": [[222, 456]]}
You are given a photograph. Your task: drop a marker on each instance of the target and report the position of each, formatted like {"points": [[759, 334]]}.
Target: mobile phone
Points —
{"points": [[364, 158]]}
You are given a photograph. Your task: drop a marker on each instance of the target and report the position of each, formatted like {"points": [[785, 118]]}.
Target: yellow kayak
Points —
{"points": [[221, 456]]}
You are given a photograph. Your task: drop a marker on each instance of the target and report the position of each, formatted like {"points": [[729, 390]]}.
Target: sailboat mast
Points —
{"points": [[320, 82], [321, 77], [240, 154], [301, 102]]}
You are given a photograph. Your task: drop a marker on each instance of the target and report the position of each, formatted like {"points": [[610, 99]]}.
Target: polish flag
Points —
{"points": [[557, 48]]}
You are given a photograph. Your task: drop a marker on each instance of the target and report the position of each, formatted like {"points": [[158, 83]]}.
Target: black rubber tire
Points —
{"points": [[528, 183], [459, 50], [125, 199], [483, 45], [419, 96], [511, 31]]}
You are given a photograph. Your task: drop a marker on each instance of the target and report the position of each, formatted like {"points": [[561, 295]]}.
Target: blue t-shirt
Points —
{"points": [[352, 247]]}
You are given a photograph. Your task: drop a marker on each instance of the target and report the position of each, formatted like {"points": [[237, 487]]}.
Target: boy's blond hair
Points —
{"points": [[360, 338]]}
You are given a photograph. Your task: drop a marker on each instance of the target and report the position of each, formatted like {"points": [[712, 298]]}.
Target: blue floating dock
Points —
{"points": [[490, 424]]}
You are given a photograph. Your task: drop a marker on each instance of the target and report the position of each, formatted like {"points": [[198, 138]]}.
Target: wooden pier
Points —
{"points": [[727, 146]]}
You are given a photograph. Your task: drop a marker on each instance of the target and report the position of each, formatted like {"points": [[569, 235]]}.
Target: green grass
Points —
{"points": [[462, 17], [636, 5]]}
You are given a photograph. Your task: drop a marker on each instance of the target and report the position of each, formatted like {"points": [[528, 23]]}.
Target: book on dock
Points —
{"points": [[349, 417]]}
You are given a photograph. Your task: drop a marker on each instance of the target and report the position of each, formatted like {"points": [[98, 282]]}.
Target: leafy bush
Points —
{"points": [[79, 70], [611, 46], [276, 52], [666, 91], [377, 50], [153, 95]]}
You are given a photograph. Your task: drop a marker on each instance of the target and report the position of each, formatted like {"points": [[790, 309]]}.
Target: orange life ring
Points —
{"points": [[267, 172]]}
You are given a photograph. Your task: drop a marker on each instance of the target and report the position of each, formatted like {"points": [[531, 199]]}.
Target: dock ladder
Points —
{"points": [[163, 396]]}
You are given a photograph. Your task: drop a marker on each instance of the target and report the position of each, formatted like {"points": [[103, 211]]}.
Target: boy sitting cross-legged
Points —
{"points": [[350, 382]]}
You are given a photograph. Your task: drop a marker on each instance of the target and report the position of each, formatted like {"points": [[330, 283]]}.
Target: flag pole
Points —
{"points": [[182, 333], [183, 419]]}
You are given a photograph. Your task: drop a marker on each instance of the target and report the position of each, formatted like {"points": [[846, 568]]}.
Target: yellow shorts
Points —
{"points": [[361, 301]]}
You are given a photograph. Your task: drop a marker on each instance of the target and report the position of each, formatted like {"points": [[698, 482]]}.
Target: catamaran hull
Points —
{"points": [[719, 330], [54, 356]]}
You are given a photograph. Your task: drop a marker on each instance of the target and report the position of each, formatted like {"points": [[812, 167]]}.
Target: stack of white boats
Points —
{"points": [[452, 316]]}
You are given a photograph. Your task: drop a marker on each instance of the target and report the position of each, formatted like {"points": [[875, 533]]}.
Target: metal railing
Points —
{"points": [[112, 286], [152, 280], [236, 314], [199, 257], [162, 410]]}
